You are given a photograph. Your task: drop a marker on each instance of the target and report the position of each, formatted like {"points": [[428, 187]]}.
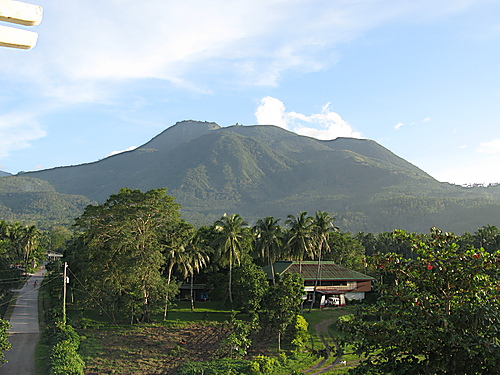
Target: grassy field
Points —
{"points": [[162, 346]]}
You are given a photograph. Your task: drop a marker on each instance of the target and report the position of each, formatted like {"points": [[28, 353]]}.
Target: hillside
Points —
{"points": [[3, 174], [257, 171], [34, 201]]}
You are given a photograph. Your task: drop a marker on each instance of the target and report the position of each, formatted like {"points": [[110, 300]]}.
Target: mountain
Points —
{"points": [[34, 201], [259, 171], [3, 174]]}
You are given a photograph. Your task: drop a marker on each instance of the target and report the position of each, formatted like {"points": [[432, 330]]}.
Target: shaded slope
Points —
{"points": [[257, 171]]}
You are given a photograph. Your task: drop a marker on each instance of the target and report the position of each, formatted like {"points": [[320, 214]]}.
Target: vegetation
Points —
{"points": [[132, 258], [437, 313], [257, 172]]}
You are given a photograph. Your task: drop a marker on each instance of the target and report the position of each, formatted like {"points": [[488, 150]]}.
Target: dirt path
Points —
{"points": [[25, 332], [323, 333]]}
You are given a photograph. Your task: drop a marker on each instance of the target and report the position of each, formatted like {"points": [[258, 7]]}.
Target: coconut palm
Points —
{"points": [[175, 242], [195, 258], [268, 240], [300, 237], [322, 226], [229, 244]]}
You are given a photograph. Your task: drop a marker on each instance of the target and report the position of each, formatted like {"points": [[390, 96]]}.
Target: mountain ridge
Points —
{"points": [[264, 170]]}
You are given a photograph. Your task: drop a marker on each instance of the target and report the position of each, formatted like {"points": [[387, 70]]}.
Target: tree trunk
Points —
{"points": [[230, 279], [192, 294], [165, 311], [317, 279], [272, 271]]}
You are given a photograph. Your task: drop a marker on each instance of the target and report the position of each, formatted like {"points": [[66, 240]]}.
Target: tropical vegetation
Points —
{"points": [[130, 259]]}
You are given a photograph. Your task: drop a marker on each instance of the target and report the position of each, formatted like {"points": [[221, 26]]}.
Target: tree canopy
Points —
{"points": [[437, 314], [122, 259]]}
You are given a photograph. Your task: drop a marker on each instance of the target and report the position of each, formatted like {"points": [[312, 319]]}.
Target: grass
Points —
{"points": [[145, 348]]}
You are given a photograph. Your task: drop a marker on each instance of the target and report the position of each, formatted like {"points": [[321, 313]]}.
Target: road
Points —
{"points": [[25, 332]]}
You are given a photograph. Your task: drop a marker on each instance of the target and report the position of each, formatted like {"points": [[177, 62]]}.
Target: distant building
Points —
{"points": [[336, 284], [53, 255]]}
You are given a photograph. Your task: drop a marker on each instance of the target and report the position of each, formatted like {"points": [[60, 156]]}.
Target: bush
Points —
{"points": [[217, 367], [64, 360], [263, 365], [300, 333]]}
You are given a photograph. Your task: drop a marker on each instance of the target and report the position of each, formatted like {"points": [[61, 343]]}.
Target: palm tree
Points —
{"points": [[175, 242], [268, 240], [232, 234], [195, 258], [322, 227], [300, 238]]}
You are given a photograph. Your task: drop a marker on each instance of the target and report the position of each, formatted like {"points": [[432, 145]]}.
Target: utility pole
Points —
{"points": [[65, 281]]}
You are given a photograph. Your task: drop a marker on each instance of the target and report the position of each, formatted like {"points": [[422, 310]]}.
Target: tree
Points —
{"points": [[322, 227], [174, 241], [282, 304], [346, 251], [487, 237], [300, 237], [4, 342], [249, 287], [268, 240], [230, 243], [437, 314], [195, 259], [122, 258]]}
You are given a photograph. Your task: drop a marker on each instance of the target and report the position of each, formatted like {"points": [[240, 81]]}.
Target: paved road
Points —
{"points": [[25, 332]]}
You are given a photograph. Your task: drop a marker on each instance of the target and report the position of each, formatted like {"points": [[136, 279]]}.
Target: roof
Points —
{"points": [[308, 270]]}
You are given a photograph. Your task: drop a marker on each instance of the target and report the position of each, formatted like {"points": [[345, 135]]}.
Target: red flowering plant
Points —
{"points": [[437, 313]]}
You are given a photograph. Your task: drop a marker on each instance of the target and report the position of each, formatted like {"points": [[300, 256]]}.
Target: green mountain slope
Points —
{"points": [[257, 171], [34, 201]]}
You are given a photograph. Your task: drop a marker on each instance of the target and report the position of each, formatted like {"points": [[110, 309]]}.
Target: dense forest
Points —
{"points": [[129, 256], [257, 171]]}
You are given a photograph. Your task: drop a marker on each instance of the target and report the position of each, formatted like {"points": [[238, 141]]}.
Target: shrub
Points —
{"points": [[300, 333], [263, 365], [64, 360]]}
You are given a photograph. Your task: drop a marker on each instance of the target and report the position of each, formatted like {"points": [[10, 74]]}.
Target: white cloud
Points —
{"points": [[85, 48], [119, 152], [272, 111], [16, 132], [480, 171], [325, 125], [491, 147], [399, 125]]}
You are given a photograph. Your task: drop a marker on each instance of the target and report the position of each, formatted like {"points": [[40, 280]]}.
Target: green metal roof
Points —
{"points": [[308, 270]]}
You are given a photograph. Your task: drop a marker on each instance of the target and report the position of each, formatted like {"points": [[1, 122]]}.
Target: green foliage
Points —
{"points": [[282, 304], [231, 243], [216, 367], [238, 341], [4, 342], [64, 358], [437, 314], [300, 334], [257, 171], [263, 365], [121, 260], [249, 287]]}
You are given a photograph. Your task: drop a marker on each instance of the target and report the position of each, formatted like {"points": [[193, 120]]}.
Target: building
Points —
{"points": [[336, 284]]}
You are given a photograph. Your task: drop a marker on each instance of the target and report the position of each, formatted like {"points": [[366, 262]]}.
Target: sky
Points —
{"points": [[420, 77]]}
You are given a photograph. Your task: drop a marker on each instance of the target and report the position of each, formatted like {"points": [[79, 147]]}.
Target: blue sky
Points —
{"points": [[421, 77]]}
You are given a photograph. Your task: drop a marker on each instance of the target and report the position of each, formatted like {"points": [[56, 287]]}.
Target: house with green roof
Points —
{"points": [[336, 284]]}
